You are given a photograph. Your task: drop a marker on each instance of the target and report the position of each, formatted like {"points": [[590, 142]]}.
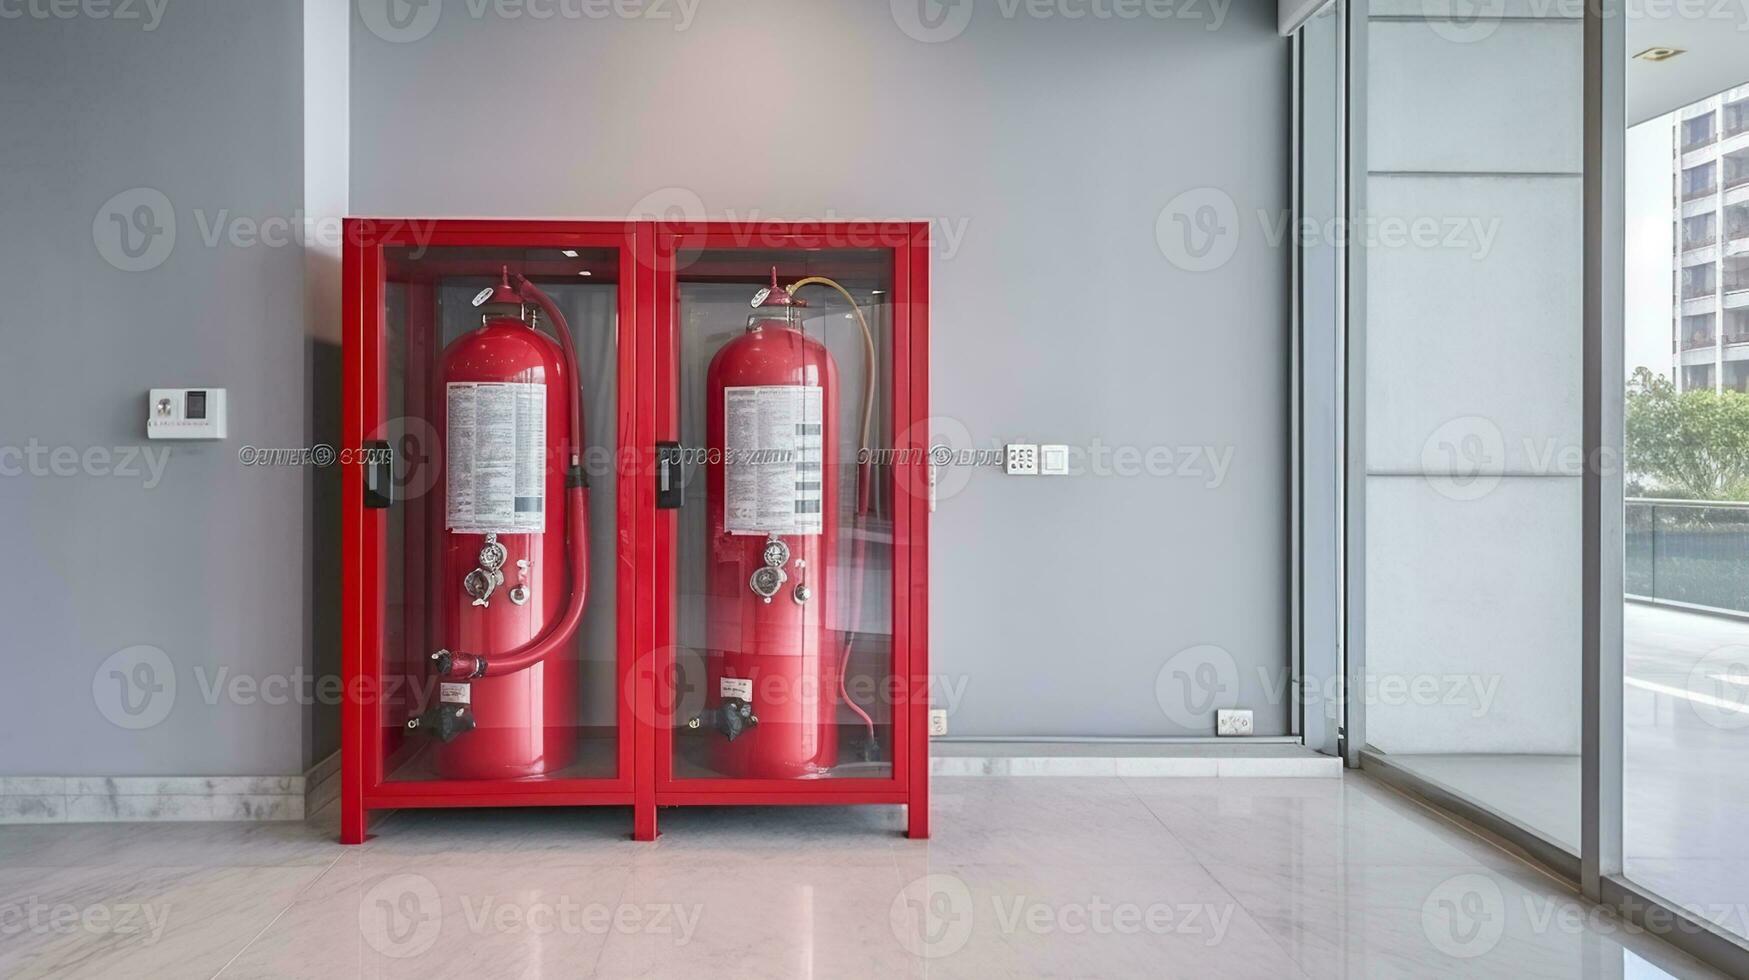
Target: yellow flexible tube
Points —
{"points": [[863, 489], [868, 359]]}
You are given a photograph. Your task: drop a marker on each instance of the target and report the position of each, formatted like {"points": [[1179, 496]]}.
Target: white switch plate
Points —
{"points": [[937, 721], [185, 413], [1022, 459], [1233, 721], [1053, 460]]}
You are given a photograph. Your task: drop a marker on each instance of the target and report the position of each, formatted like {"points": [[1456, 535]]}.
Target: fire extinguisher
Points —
{"points": [[515, 560], [775, 671]]}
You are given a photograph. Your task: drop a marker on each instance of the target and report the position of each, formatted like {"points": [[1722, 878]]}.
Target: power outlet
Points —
{"points": [[1022, 459], [937, 722], [1233, 722]]}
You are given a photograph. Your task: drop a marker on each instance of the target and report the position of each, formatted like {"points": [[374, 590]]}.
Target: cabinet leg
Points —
{"points": [[644, 822], [354, 822]]}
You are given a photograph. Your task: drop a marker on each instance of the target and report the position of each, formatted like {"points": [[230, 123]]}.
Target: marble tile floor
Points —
{"points": [[1684, 786], [1107, 877]]}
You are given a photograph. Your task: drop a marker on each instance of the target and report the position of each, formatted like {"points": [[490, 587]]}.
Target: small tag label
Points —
{"points": [[736, 687], [454, 693]]}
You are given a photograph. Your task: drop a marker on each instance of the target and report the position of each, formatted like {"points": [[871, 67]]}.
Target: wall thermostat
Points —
{"points": [[185, 413]]}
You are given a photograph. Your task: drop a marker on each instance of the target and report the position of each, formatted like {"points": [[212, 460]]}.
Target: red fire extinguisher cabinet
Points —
{"points": [[738, 505]]}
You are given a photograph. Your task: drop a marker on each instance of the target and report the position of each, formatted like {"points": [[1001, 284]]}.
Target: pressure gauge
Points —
{"points": [[492, 556], [766, 581], [776, 553]]}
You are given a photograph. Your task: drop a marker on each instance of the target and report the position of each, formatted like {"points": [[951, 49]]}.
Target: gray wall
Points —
{"points": [[1054, 145], [207, 565], [1045, 150], [1473, 378]]}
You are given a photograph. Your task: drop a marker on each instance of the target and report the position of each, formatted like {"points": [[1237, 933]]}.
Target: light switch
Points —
{"points": [[1053, 460]]}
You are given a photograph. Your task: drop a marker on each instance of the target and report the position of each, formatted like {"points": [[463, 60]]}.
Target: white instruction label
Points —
{"points": [[736, 687], [772, 459], [495, 457], [454, 693]]}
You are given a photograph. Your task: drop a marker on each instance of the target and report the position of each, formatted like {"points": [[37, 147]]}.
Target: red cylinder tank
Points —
{"points": [[771, 492], [505, 428]]}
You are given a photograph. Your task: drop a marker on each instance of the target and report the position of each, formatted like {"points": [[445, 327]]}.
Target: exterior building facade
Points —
{"points": [[1711, 206]]}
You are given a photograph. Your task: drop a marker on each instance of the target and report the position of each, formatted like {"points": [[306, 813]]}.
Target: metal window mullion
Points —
{"points": [[1351, 256], [1605, 232], [1296, 370]]}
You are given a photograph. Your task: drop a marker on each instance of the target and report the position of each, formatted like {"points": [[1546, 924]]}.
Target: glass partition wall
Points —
{"points": [[1473, 242], [1685, 622], [1543, 373]]}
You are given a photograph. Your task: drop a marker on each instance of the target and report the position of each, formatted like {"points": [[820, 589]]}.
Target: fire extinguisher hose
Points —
{"points": [[859, 541], [459, 665]]}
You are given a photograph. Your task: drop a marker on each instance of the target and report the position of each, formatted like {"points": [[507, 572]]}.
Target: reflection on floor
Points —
{"points": [[1685, 785], [1025, 877]]}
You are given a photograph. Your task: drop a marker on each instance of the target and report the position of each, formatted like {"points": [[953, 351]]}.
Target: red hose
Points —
{"points": [[465, 665], [562, 327]]}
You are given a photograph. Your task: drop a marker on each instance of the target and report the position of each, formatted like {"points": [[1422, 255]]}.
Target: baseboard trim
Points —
{"points": [[114, 799], [117, 799], [322, 784], [1185, 760]]}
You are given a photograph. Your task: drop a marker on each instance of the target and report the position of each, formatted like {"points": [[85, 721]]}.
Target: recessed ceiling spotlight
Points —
{"points": [[586, 272], [1658, 54], [569, 253]]}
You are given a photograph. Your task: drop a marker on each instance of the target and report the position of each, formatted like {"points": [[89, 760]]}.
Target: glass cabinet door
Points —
{"points": [[502, 657], [776, 614]]}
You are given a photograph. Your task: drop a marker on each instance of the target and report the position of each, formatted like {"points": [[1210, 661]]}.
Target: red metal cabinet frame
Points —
{"points": [[908, 782], [647, 384]]}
